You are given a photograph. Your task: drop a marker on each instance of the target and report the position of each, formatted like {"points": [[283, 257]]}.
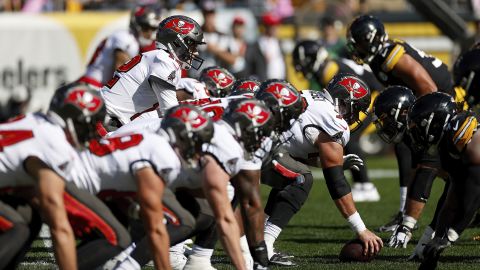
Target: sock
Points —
{"points": [[199, 251], [403, 198], [178, 248], [129, 264], [244, 244], [272, 232]]}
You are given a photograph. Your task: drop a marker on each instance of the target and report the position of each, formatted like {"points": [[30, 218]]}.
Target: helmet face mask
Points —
{"points": [[181, 35]]}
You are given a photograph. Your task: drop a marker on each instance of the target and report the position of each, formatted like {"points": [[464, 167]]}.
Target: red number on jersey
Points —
{"points": [[130, 64], [11, 137], [124, 68], [107, 146]]}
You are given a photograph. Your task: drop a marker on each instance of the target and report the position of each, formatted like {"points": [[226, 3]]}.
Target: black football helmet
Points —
{"points": [[145, 17], [308, 57], [181, 35], [428, 118], [284, 100], [350, 96], [390, 110], [366, 36], [188, 128], [79, 109], [245, 87], [218, 81], [466, 73], [251, 121]]}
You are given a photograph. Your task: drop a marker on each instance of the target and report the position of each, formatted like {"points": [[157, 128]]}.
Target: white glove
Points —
{"points": [[352, 161], [400, 237]]}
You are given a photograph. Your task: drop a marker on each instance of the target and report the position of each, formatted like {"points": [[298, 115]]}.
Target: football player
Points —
{"points": [[144, 166], [390, 110], [313, 60], [244, 125], [190, 88], [395, 62], [38, 150], [145, 86], [466, 75], [436, 122], [121, 46], [321, 131]]}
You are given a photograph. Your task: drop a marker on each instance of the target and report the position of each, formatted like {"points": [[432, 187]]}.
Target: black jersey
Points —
{"points": [[384, 62], [342, 65], [421, 157]]}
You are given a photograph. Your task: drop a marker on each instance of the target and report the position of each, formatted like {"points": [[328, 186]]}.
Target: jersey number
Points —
{"points": [[11, 137], [107, 146], [124, 68]]}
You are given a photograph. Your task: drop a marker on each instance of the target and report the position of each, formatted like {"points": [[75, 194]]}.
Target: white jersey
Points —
{"points": [[320, 116], [32, 136], [102, 64], [197, 89], [110, 164], [144, 87]]}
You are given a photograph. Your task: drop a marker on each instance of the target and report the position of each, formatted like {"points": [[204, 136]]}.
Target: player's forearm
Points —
{"points": [[346, 206], [159, 244], [230, 238]]}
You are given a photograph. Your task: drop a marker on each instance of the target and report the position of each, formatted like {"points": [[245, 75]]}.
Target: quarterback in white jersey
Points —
{"points": [[122, 45], [145, 86]]}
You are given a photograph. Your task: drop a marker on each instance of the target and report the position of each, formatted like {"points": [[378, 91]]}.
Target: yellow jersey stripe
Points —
{"points": [[393, 58], [329, 71], [463, 136]]}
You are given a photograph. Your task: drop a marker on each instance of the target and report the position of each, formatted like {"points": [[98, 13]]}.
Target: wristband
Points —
{"points": [[356, 223]]}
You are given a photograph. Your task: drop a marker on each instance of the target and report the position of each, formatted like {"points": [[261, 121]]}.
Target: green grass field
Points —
{"points": [[317, 233]]}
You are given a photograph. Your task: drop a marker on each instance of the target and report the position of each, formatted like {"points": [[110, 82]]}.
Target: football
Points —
{"points": [[352, 251]]}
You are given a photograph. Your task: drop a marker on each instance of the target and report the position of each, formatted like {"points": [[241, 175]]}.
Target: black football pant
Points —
{"points": [[19, 226], [101, 234], [291, 182]]}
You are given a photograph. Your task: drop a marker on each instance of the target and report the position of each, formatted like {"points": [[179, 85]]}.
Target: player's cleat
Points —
{"points": [[392, 225], [281, 259], [198, 263], [417, 254], [432, 252], [365, 192], [177, 260]]}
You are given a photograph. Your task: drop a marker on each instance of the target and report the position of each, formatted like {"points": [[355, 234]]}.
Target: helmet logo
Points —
{"points": [[84, 100], [221, 79], [140, 12], [354, 87], [249, 85], [180, 26], [282, 93], [193, 118], [255, 113]]}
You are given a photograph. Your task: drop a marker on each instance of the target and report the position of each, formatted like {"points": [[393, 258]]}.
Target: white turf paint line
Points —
{"points": [[373, 174]]}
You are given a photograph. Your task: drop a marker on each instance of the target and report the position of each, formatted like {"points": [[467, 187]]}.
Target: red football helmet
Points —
{"points": [[217, 80]]}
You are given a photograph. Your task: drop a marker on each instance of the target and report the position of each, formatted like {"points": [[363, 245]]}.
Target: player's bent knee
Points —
{"points": [[296, 194]]}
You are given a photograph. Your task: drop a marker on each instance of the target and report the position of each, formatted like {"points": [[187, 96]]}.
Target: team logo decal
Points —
{"points": [[354, 87], [179, 26], [192, 117], [282, 93], [221, 79], [140, 11], [257, 114], [249, 86], [84, 100]]}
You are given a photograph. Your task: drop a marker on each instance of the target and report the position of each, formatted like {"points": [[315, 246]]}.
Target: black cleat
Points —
{"points": [[281, 259]]}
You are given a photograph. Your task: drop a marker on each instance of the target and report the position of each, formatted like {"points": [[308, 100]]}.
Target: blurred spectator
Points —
{"points": [[219, 50], [270, 47], [17, 104], [333, 42], [248, 63], [282, 8], [343, 10]]}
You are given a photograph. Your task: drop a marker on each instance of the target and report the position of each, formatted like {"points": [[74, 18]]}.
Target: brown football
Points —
{"points": [[352, 251]]}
